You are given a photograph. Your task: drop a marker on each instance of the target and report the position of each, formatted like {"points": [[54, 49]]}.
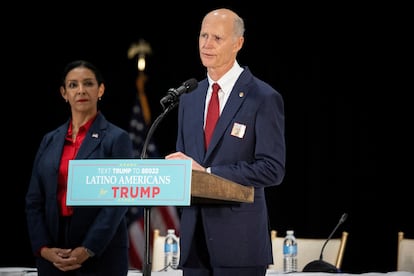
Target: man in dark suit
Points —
{"points": [[247, 146], [79, 240]]}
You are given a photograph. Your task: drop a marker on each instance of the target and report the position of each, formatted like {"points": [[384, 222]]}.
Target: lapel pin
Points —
{"points": [[241, 94], [95, 135]]}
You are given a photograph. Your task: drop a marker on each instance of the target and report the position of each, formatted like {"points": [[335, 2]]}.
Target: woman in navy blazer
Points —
{"points": [[70, 240], [247, 147]]}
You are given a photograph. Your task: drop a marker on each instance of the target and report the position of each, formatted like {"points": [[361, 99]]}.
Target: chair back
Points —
{"points": [[309, 249], [405, 253]]}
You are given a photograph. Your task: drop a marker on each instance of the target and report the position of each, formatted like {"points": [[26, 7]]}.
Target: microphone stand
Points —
{"points": [[320, 265], [343, 218], [147, 209]]}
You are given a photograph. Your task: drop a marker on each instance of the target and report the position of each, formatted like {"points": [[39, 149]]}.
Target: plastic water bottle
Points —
{"points": [[290, 251], [171, 250]]}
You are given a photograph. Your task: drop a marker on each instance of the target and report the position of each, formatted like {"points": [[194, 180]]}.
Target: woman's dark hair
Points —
{"points": [[81, 63]]}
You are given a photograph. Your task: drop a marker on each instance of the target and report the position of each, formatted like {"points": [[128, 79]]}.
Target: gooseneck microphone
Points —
{"points": [[172, 99], [174, 93], [320, 265]]}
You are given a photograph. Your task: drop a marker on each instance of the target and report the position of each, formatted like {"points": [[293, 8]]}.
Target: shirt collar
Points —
{"points": [[228, 80]]}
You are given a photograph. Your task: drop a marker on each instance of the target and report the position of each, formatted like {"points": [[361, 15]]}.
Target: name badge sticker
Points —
{"points": [[238, 130]]}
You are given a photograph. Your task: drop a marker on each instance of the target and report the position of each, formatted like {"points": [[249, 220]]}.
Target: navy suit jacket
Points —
{"points": [[97, 228], [247, 147]]}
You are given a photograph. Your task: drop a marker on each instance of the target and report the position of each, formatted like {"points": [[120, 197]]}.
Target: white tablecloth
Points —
{"points": [[29, 271], [17, 271], [394, 273]]}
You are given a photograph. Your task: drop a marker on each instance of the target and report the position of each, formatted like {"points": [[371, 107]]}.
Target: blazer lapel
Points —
{"points": [[93, 138], [199, 107], [236, 98], [57, 143]]}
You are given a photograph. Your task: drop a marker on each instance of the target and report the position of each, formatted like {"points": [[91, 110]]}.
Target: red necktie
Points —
{"points": [[213, 113]]}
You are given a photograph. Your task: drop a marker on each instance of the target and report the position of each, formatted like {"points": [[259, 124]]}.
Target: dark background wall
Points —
{"points": [[334, 132]]}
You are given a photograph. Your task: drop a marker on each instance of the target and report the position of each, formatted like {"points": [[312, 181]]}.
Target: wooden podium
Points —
{"points": [[206, 188], [210, 189]]}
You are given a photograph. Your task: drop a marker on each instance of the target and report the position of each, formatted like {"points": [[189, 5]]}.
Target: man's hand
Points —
{"points": [[180, 156]]}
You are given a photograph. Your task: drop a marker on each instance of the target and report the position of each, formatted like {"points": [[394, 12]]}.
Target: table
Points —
{"points": [[30, 271]]}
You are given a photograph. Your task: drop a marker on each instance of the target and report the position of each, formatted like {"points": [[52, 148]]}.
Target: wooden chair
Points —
{"points": [[309, 250], [158, 251], [405, 253]]}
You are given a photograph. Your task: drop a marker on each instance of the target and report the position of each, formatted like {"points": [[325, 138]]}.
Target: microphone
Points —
{"points": [[320, 265], [174, 93]]}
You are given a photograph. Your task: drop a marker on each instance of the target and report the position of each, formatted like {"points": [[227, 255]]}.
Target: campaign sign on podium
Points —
{"points": [[129, 182]]}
